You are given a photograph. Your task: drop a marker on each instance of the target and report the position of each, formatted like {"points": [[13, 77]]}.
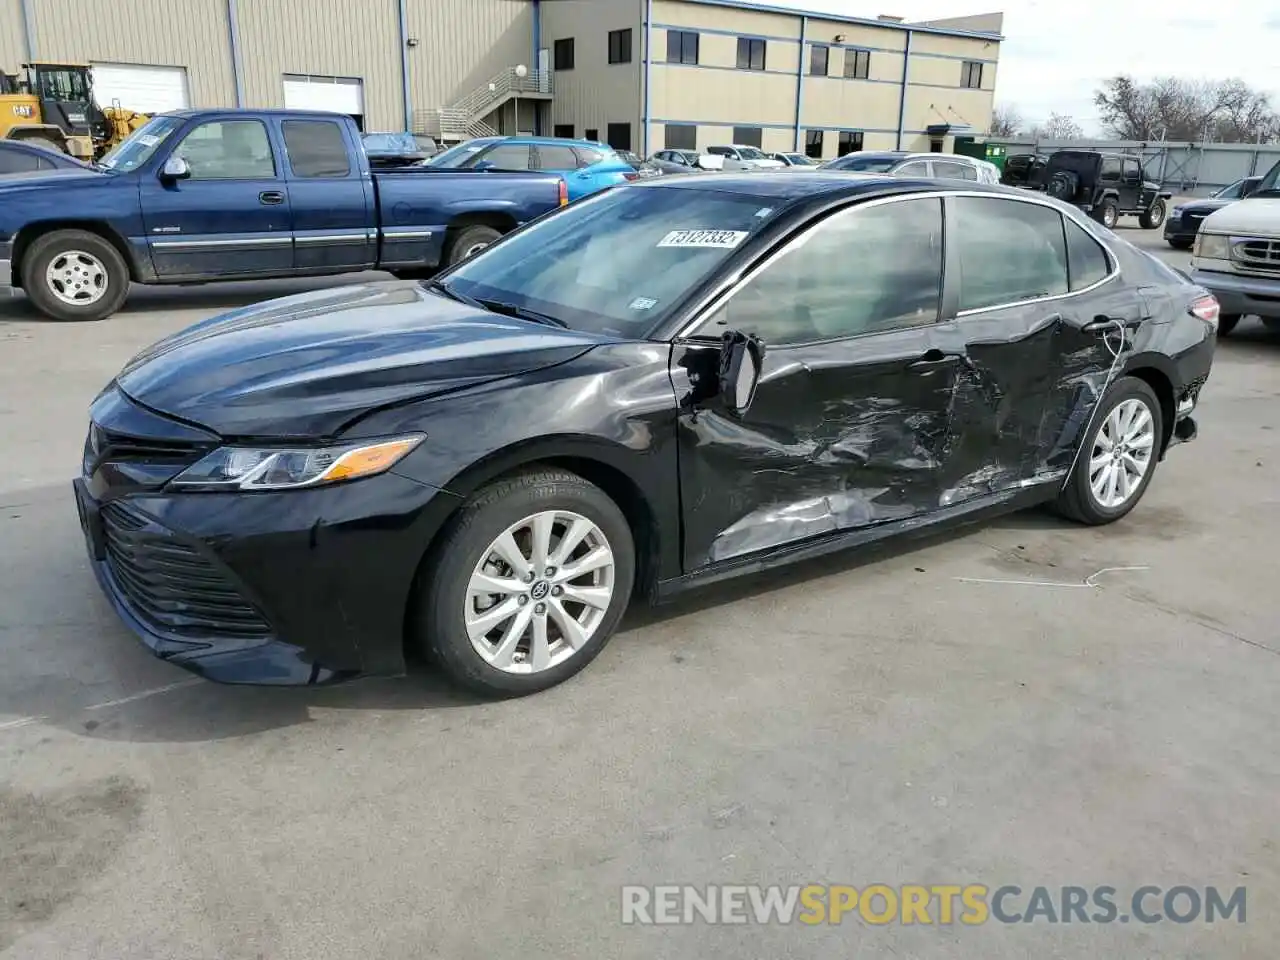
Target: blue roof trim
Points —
{"points": [[838, 18]]}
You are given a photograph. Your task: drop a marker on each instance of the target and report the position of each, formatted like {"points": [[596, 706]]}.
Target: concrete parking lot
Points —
{"points": [[1028, 702]]}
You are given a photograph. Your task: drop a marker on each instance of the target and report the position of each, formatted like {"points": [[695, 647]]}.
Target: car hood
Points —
{"points": [[1204, 206], [60, 179], [1254, 215], [308, 365]]}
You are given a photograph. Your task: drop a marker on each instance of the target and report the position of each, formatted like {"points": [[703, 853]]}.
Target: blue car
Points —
{"points": [[586, 166], [18, 156]]}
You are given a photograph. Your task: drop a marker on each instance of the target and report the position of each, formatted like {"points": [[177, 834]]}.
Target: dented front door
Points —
{"points": [[849, 424], [839, 436]]}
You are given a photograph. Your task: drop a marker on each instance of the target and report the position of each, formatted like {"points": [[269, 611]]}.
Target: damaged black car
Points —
{"points": [[659, 386]]}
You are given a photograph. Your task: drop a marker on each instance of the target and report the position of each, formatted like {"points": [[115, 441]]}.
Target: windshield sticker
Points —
{"points": [[764, 212], [148, 140], [643, 303], [719, 239]]}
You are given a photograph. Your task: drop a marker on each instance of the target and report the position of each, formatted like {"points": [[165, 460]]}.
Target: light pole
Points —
{"points": [[521, 72]]}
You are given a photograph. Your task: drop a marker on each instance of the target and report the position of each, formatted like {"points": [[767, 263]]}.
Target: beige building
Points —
{"points": [[640, 74]]}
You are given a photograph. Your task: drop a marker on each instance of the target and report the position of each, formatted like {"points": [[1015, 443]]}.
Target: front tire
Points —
{"points": [[1118, 457], [528, 584], [1153, 216], [73, 275]]}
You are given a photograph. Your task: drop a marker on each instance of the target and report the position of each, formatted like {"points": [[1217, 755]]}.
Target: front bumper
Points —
{"points": [[286, 588], [1241, 294], [6, 269]]}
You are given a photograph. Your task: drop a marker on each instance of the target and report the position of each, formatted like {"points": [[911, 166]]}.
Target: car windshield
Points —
{"points": [[136, 149], [800, 160], [617, 263], [751, 153], [864, 164], [458, 155]]}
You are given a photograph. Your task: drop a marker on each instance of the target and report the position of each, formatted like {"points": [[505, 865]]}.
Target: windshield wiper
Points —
{"points": [[522, 313], [453, 294]]}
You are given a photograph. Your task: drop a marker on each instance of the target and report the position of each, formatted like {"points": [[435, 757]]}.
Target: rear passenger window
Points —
{"points": [[917, 168], [1085, 257], [953, 170], [1010, 251], [505, 157], [316, 148], [556, 158]]}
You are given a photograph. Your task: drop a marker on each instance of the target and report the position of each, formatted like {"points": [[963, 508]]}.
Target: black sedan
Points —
{"points": [[1184, 220], [659, 386], [17, 156]]}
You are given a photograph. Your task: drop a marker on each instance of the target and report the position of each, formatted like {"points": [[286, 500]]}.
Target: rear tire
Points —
{"points": [[75, 275], [1226, 323], [470, 241], [1107, 213], [1080, 499], [452, 610], [1153, 216]]}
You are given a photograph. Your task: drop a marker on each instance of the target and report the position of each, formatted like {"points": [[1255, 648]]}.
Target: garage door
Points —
{"points": [[331, 94], [144, 89]]}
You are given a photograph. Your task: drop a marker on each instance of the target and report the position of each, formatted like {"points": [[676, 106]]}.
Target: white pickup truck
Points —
{"points": [[1237, 256]]}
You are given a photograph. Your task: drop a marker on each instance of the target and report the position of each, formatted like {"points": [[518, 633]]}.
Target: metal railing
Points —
{"points": [[464, 119]]}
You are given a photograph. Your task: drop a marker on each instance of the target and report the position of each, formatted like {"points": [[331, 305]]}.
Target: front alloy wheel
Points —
{"points": [[540, 592]]}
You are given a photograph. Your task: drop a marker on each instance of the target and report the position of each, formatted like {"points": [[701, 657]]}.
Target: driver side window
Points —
{"points": [[864, 270], [228, 150]]}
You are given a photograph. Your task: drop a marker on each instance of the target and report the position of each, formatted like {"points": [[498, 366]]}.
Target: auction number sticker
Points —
{"points": [[719, 239]]}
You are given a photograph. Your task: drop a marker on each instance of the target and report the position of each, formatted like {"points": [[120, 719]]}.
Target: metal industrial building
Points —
{"points": [[640, 74]]}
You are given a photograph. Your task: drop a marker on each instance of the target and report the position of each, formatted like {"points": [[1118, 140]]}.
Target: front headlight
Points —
{"points": [[1175, 213], [286, 468], [1211, 246]]}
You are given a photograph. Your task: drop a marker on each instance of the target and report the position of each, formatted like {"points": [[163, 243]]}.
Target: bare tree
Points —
{"points": [[1058, 127], [1005, 120], [1174, 108]]}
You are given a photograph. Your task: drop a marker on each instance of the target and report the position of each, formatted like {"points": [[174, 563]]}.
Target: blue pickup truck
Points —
{"points": [[213, 195]]}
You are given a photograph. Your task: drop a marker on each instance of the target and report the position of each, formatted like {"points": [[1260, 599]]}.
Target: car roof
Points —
{"points": [[812, 184], [554, 141]]}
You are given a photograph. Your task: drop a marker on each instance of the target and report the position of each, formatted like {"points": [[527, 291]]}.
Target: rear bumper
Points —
{"points": [[1239, 294]]}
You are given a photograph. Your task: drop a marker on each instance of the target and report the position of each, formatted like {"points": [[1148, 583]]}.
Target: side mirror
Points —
{"points": [[741, 360], [484, 165], [175, 168], [1247, 188]]}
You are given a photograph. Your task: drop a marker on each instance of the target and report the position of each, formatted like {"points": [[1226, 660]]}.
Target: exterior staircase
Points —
{"points": [[469, 117]]}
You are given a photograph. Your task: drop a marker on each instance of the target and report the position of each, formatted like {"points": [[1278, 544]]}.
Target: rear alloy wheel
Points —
{"points": [[470, 241], [1118, 457], [1153, 216], [528, 584], [1107, 213]]}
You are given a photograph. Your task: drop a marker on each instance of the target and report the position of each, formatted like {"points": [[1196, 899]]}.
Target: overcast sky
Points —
{"points": [[1053, 60]]}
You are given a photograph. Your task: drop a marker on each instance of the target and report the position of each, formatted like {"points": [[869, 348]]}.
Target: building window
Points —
{"points": [[748, 136], [971, 74], [850, 142], [750, 54], [619, 136], [680, 136], [620, 46], [682, 46], [857, 64], [591, 134], [564, 130], [563, 57], [819, 58], [813, 144]]}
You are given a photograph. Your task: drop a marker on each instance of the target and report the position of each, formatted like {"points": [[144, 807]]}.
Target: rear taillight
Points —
{"points": [[631, 176], [564, 194], [1207, 309]]}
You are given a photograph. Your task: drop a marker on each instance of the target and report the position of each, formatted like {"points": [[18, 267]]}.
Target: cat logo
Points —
{"points": [[24, 110]]}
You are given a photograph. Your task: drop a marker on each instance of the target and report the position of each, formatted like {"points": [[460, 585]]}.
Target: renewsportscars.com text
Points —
{"points": [[938, 904]]}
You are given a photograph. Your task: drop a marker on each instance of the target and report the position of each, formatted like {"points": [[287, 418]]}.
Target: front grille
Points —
{"points": [[171, 585], [1256, 254], [102, 445]]}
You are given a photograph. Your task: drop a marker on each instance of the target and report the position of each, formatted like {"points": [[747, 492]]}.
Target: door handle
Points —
{"points": [[1100, 325], [271, 197], [933, 359]]}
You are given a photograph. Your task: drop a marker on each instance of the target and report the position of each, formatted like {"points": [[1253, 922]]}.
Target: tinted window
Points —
{"points": [[228, 150], [316, 148], [954, 170], [813, 143], [916, 168], [857, 64], [1085, 256], [508, 156], [818, 60], [750, 53], [618, 136], [722, 151], [563, 130], [1110, 168], [682, 46], [971, 74], [563, 54], [555, 158], [1009, 251], [750, 136], [587, 156], [850, 142], [863, 164], [12, 161], [617, 262], [864, 270], [680, 136], [620, 46], [1131, 169]]}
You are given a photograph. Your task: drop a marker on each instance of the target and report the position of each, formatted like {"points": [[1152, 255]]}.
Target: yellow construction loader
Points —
{"points": [[52, 104]]}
